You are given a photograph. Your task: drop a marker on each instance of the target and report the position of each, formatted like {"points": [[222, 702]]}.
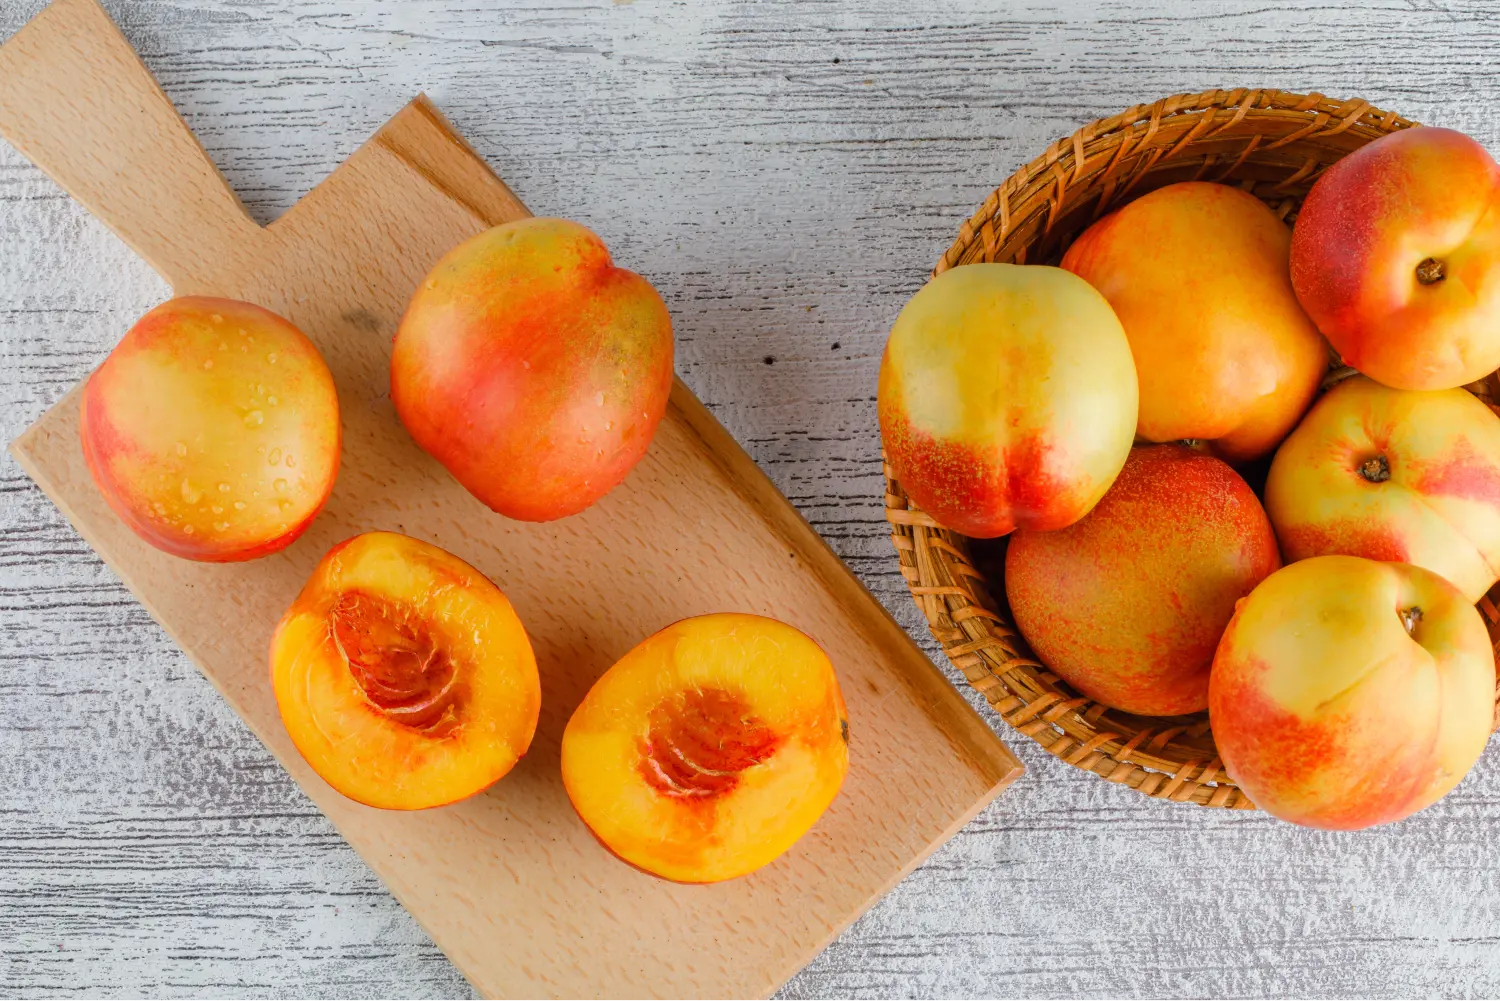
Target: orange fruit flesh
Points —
{"points": [[709, 749], [403, 675]]}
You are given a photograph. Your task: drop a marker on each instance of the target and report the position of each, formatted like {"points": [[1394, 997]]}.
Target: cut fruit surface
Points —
{"points": [[710, 748], [403, 675]]}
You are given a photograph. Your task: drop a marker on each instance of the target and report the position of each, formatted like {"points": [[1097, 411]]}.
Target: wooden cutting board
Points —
{"points": [[509, 884]]}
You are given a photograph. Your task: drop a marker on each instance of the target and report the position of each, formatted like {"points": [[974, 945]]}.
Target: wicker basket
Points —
{"points": [[1272, 144]]}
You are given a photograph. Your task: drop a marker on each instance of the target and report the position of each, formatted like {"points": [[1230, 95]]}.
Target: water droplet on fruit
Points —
{"points": [[216, 509], [274, 457], [284, 505], [159, 507], [224, 488], [254, 419], [223, 346], [260, 449], [290, 462], [525, 363], [187, 529], [280, 486], [599, 399], [431, 284], [244, 349], [259, 388], [609, 425], [239, 505], [271, 358], [220, 526], [273, 401], [208, 364], [180, 448], [219, 319], [190, 493]]}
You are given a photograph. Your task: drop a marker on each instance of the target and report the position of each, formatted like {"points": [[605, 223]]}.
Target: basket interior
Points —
{"points": [[1271, 143]]}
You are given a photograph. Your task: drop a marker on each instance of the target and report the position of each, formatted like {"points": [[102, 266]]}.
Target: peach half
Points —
{"points": [[403, 675], [212, 429], [710, 748]]}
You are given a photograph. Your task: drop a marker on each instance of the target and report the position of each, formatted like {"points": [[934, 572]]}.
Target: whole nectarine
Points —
{"points": [[1348, 693], [1197, 273], [1007, 398], [1393, 474], [403, 675], [1128, 604], [709, 749], [212, 429], [532, 368], [1396, 257]]}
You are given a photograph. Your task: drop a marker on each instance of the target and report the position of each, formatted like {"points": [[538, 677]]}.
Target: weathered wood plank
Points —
{"points": [[785, 172]]}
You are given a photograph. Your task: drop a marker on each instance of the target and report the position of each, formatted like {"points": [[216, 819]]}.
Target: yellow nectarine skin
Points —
{"points": [[1007, 398], [1128, 605], [1396, 475], [403, 675], [1197, 273], [532, 368], [710, 748], [1348, 693], [1396, 257], [212, 429]]}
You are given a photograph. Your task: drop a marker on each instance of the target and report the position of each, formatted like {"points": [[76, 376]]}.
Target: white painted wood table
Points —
{"points": [[785, 172]]}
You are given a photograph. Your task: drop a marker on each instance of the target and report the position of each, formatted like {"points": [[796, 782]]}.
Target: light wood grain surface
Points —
{"points": [[785, 172]]}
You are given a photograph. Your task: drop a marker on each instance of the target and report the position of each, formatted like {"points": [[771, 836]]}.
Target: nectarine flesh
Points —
{"points": [[710, 748], [212, 429], [403, 675]]}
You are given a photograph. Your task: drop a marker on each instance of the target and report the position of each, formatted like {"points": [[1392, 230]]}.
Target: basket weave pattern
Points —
{"points": [[1270, 143]]}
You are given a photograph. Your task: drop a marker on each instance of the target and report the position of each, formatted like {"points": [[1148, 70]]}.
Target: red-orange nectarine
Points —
{"points": [[533, 368]]}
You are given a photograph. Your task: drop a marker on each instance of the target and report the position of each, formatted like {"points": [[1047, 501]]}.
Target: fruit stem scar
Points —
{"points": [[1409, 618], [1376, 469], [1430, 271]]}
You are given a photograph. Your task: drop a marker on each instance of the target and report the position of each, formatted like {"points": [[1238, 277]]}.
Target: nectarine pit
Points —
{"points": [[699, 741], [397, 661]]}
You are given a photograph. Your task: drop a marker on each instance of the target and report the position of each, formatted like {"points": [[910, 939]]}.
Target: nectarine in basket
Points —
{"points": [[1269, 144]]}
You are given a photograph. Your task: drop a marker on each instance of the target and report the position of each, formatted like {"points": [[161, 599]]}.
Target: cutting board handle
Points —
{"points": [[78, 102]]}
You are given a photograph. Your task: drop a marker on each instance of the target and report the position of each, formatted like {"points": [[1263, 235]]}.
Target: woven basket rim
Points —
{"points": [[1273, 143]]}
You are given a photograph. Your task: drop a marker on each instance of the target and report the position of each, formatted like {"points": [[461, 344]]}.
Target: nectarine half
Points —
{"points": [[403, 675], [709, 749]]}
